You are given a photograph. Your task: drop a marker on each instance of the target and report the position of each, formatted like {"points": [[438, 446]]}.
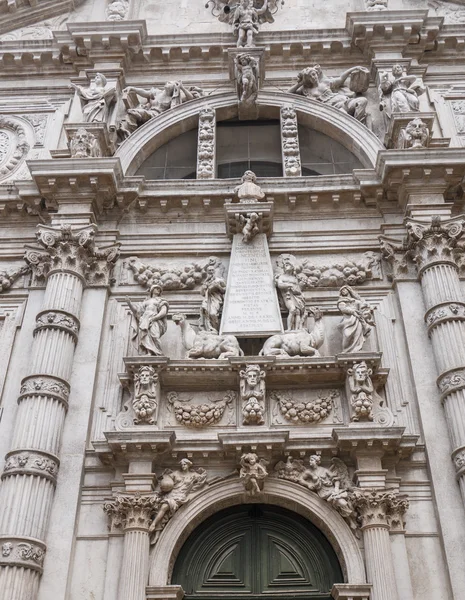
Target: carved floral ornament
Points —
{"points": [[31, 463], [72, 250], [22, 553], [14, 145]]}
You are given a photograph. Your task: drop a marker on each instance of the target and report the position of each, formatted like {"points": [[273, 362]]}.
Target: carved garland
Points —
{"points": [[313, 411], [199, 415]]}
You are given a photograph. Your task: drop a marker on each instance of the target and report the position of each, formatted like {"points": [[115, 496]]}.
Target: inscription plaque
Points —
{"points": [[251, 306]]}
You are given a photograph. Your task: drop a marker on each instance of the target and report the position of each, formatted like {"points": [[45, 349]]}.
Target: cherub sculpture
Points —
{"points": [[247, 78], [251, 228], [252, 389], [175, 489], [333, 485], [357, 320], [253, 473]]}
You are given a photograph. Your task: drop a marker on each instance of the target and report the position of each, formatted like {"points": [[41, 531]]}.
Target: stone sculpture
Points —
{"points": [[206, 344], [290, 141], [357, 321], [398, 92], [151, 319], [247, 76], [146, 392], [361, 390], [332, 485], [250, 226], [253, 473], [170, 277], [374, 5], [313, 84], [414, 136], [252, 389], [309, 411], [84, 144], [300, 342], [206, 144], [175, 489], [200, 415], [157, 101], [249, 192], [96, 99], [117, 10], [213, 289], [7, 278], [290, 292]]}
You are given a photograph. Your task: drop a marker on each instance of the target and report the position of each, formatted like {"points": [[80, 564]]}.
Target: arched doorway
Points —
{"points": [[256, 551]]}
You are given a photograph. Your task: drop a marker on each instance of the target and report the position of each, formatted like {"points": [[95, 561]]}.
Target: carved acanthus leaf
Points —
{"points": [[127, 511]]}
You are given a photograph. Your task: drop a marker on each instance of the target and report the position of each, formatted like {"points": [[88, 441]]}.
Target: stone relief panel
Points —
{"points": [[198, 410], [451, 11], [306, 407]]}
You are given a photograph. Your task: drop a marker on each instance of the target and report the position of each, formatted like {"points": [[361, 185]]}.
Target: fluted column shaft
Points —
{"points": [[445, 319], [133, 513], [31, 468]]}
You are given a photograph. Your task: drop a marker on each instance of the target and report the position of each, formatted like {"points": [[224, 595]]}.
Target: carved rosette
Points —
{"points": [[28, 553], [58, 320], [128, 512], [45, 385], [290, 142], [31, 462], [206, 144], [71, 250], [375, 508]]}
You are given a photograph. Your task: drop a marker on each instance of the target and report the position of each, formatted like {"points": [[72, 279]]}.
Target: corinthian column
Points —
{"points": [[374, 509], [433, 247], [66, 260], [134, 514]]}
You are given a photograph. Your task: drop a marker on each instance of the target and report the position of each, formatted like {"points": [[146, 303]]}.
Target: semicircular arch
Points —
{"points": [[336, 124], [279, 493]]}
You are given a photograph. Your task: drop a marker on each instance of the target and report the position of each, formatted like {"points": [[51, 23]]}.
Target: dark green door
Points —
{"points": [[258, 552]]}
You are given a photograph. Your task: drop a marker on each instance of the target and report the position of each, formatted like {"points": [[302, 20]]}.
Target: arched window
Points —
{"points": [[256, 551], [254, 145]]}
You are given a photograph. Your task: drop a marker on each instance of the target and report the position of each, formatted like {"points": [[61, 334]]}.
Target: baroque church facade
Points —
{"points": [[232, 310]]}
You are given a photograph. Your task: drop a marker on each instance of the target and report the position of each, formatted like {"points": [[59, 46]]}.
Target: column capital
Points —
{"points": [[376, 508], [72, 250], [129, 512], [425, 244]]}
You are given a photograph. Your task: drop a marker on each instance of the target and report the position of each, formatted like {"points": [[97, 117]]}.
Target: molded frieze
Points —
{"points": [[22, 552]]}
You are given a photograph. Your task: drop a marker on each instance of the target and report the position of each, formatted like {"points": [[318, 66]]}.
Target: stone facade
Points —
{"points": [[231, 272]]}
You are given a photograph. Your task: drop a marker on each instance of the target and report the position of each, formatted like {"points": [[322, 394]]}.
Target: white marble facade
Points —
{"points": [[130, 225]]}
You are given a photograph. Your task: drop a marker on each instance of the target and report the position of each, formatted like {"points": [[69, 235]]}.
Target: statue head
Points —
{"points": [[249, 459], [314, 461], [185, 464], [155, 290], [249, 176], [397, 70], [170, 86], [310, 76], [252, 374], [361, 371], [100, 80], [288, 264], [146, 375], [417, 134], [82, 144]]}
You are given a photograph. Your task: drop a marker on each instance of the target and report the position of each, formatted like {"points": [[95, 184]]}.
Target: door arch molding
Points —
{"points": [[279, 493], [331, 121]]}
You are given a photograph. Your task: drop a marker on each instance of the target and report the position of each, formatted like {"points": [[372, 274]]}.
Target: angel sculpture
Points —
{"points": [[245, 16], [176, 488], [253, 473], [333, 485], [250, 226]]}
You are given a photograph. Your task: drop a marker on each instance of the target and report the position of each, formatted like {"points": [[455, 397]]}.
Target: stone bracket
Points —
{"points": [[233, 212]]}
